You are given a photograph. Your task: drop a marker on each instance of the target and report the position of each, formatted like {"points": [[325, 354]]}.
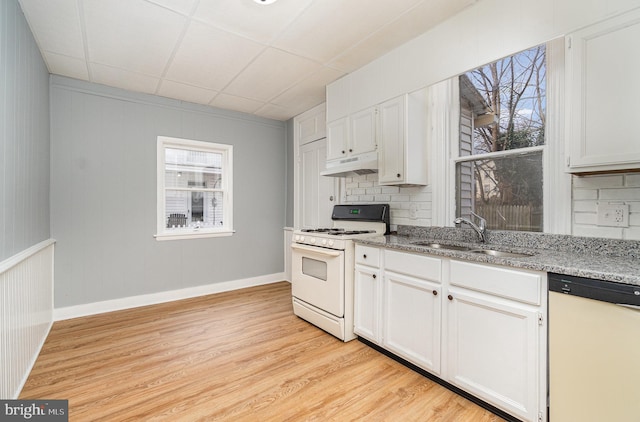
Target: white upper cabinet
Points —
{"points": [[339, 99], [312, 125], [337, 138], [402, 158], [352, 135], [363, 131], [602, 90]]}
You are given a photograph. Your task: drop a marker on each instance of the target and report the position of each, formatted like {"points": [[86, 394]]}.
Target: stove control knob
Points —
{"points": [[330, 242], [297, 237], [302, 238], [324, 241], [312, 240]]}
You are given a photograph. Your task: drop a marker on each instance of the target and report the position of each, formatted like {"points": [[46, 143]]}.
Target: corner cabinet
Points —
{"points": [[602, 88], [402, 157], [479, 327]]}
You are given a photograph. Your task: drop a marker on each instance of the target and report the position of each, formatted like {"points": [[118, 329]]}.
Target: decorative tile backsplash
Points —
{"points": [[412, 206], [409, 205], [588, 191]]}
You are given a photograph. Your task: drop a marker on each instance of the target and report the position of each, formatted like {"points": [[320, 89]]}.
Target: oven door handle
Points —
{"points": [[321, 251]]}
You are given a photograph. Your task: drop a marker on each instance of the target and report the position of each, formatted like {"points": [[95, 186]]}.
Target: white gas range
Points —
{"points": [[323, 266]]}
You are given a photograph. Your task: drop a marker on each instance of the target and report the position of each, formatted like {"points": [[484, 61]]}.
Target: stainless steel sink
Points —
{"points": [[443, 246], [500, 254], [473, 249]]}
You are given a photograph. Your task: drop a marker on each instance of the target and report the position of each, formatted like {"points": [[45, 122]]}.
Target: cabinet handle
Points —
{"points": [[450, 297], [350, 150], [398, 175], [374, 276], [364, 256], [343, 151], [435, 293]]}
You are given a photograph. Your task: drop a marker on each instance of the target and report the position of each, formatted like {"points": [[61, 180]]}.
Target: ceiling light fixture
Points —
{"points": [[265, 2]]}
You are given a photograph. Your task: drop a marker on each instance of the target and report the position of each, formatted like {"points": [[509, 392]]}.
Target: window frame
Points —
{"points": [[444, 117], [164, 142]]}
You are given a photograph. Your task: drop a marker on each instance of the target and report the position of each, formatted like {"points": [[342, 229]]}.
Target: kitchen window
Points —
{"points": [[194, 189], [499, 163]]}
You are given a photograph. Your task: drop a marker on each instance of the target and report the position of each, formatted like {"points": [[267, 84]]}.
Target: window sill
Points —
{"points": [[193, 235]]}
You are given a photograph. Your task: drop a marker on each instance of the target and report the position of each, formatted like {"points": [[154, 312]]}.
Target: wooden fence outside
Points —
{"points": [[510, 217]]}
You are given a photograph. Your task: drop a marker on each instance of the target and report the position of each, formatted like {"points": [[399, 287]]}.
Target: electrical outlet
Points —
{"points": [[613, 215], [413, 211]]}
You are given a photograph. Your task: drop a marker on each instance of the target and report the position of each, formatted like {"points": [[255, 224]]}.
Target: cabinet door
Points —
{"points": [[367, 307], [312, 125], [392, 141], [363, 132], [492, 351], [337, 138], [412, 320], [603, 88]]}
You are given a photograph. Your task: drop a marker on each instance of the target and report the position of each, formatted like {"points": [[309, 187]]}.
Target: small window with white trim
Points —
{"points": [[194, 189]]}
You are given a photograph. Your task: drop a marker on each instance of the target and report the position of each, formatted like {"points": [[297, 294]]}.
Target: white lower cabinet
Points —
{"points": [[368, 291], [492, 351], [410, 302], [368, 288], [395, 294], [477, 326]]}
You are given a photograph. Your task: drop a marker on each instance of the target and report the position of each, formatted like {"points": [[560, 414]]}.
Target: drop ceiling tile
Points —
{"points": [[309, 92], [183, 7], [124, 79], [231, 102], [272, 111], [56, 25], [333, 26], [270, 74], [260, 23], [210, 57], [409, 25], [185, 92], [131, 34], [66, 66]]}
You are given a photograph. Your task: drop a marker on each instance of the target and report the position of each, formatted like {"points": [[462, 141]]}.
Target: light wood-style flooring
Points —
{"points": [[235, 356]]}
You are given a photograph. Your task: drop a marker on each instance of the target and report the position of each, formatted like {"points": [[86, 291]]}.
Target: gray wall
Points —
{"points": [[103, 194], [24, 135], [288, 221]]}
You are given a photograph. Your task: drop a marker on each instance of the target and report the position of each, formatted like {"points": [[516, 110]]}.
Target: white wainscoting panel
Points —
{"points": [[26, 313]]}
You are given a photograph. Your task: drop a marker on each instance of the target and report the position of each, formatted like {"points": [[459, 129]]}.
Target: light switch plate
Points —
{"points": [[613, 215]]}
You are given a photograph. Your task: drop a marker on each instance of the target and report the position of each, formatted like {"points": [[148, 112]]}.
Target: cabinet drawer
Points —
{"points": [[517, 285], [414, 265], [366, 255]]}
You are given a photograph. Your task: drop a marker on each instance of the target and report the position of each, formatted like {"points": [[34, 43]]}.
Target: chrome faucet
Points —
{"points": [[481, 228]]}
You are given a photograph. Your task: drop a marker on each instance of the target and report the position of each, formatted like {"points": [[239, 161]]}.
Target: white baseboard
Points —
{"points": [[94, 308]]}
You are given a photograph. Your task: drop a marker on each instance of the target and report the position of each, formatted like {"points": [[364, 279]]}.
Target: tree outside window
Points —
{"points": [[502, 138]]}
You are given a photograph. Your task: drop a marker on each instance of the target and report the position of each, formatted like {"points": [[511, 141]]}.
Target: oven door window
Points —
{"points": [[314, 268]]}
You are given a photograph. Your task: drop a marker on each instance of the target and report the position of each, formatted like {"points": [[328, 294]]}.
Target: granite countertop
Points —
{"points": [[604, 259]]}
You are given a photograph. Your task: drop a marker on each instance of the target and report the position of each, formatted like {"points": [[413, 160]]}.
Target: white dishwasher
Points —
{"points": [[594, 350]]}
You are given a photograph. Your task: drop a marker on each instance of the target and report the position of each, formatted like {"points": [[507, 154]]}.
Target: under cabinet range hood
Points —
{"points": [[352, 166]]}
